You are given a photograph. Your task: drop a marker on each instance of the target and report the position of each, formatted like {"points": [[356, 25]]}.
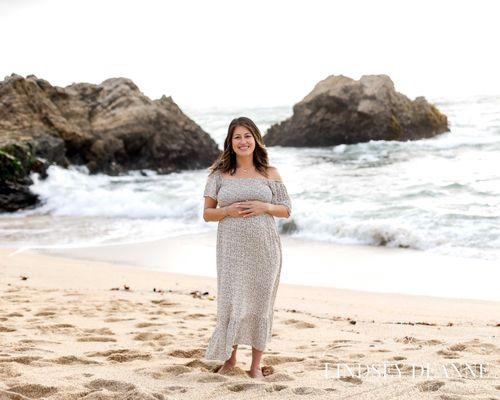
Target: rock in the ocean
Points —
{"points": [[111, 128], [341, 110], [16, 162]]}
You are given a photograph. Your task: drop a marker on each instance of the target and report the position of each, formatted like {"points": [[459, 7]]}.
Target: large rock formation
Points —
{"points": [[111, 128], [340, 110], [16, 162]]}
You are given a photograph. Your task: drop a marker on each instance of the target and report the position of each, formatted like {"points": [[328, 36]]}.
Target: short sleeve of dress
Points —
{"points": [[212, 186], [280, 195]]}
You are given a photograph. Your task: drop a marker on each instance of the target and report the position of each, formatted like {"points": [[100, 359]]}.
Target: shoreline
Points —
{"points": [[350, 267], [47, 270]]}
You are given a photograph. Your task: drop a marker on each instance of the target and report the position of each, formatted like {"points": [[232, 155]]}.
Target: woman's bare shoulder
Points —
{"points": [[273, 173]]}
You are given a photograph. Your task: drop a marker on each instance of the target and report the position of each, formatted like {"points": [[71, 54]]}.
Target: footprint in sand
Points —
{"points": [[448, 354], [351, 379], [235, 371], [171, 370], [397, 369], [473, 346], [8, 371], [151, 336], [35, 341], [299, 324], [210, 378], [164, 303], [130, 394], [72, 293], [113, 319], [14, 314], [32, 390], [276, 388], [100, 331], [195, 316], [158, 312], [278, 377], [197, 363], [356, 356], [476, 346], [26, 360], [193, 353], [95, 339], [110, 384], [147, 324], [276, 360], [45, 314], [339, 344], [31, 349], [177, 388], [307, 390], [429, 386], [6, 329], [419, 342], [243, 386], [62, 328], [120, 355], [70, 360]]}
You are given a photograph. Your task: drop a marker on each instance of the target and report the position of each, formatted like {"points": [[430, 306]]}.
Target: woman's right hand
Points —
{"points": [[233, 210]]}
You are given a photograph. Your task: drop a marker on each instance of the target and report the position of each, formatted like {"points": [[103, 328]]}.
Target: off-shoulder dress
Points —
{"points": [[249, 259]]}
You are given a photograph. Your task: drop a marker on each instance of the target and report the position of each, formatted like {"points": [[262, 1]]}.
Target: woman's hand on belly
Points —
{"points": [[253, 208], [236, 209]]}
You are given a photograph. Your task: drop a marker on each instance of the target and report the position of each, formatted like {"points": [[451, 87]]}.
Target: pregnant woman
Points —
{"points": [[249, 193]]}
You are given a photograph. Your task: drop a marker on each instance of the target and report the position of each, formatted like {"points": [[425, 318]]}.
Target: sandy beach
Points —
{"points": [[75, 327]]}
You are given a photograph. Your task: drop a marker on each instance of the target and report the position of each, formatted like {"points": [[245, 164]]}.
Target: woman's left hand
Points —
{"points": [[253, 207]]}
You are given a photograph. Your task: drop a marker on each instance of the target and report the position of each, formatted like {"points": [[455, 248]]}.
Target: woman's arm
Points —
{"points": [[211, 212], [277, 210]]}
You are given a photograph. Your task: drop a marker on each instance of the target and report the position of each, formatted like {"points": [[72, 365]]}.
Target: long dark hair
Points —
{"points": [[226, 162]]}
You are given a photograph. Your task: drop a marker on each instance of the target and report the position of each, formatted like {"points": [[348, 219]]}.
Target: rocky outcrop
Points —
{"points": [[16, 162], [341, 110], [110, 128]]}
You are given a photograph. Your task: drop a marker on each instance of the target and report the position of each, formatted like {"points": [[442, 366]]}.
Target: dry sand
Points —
{"points": [[65, 334]]}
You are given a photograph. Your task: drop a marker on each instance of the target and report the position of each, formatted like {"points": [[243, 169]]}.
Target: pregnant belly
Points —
{"points": [[257, 226]]}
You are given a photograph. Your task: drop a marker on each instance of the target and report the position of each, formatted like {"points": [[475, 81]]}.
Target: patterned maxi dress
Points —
{"points": [[248, 264]]}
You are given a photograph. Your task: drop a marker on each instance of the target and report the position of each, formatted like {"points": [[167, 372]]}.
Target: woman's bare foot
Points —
{"points": [[255, 370], [255, 373], [228, 365]]}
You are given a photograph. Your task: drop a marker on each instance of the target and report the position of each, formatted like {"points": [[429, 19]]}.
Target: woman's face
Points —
{"points": [[243, 141]]}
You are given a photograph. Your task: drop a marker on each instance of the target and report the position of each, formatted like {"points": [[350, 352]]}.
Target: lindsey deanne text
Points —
{"points": [[399, 370]]}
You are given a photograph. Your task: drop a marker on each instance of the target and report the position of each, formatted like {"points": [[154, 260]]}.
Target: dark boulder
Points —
{"points": [[341, 110], [110, 128], [16, 162]]}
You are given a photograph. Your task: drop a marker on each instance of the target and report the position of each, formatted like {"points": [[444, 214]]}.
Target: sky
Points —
{"points": [[219, 54]]}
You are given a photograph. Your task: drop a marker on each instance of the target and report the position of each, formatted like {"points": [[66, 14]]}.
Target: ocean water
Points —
{"points": [[438, 195]]}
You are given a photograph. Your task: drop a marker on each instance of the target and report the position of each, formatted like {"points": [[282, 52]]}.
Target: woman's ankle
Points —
{"points": [[231, 362]]}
